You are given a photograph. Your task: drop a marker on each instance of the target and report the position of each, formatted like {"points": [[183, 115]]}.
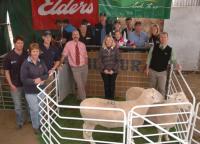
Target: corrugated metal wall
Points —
{"points": [[184, 3]]}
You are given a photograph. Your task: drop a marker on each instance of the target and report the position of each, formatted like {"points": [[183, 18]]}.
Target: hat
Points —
{"points": [[102, 14], [48, 32]]}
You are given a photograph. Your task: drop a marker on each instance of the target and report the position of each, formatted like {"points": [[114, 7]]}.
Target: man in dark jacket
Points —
{"points": [[129, 28], [102, 29]]}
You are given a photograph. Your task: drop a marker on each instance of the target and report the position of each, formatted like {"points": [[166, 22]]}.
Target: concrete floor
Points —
{"points": [[9, 134]]}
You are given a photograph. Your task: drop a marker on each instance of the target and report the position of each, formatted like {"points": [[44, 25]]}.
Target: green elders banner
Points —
{"points": [[136, 8]]}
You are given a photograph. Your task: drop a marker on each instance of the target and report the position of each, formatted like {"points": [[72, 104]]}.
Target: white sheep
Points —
{"points": [[149, 96], [134, 92], [174, 98], [179, 97]]}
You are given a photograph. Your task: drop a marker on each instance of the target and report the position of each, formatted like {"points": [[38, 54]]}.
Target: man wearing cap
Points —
{"points": [[76, 53], [129, 28], [102, 29], [49, 53]]}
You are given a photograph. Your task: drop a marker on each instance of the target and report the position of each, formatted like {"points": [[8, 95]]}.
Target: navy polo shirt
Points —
{"points": [[49, 55], [13, 62]]}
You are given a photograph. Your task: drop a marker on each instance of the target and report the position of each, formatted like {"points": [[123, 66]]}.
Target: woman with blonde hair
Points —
{"points": [[154, 36], [109, 58], [33, 72]]}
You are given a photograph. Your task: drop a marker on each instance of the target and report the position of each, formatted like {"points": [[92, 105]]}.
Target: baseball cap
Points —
{"points": [[48, 32]]}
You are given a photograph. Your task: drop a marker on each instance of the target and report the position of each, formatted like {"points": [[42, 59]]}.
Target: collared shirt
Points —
{"points": [[12, 63], [139, 40], [172, 58], [70, 52]]}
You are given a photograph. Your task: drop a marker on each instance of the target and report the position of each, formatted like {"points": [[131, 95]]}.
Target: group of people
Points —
{"points": [[25, 70], [132, 35]]}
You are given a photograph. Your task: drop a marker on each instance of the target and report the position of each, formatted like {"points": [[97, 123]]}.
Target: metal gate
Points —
{"points": [[195, 139], [182, 131], [54, 129]]}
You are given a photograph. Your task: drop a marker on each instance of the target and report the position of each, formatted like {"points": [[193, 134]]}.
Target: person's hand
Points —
{"points": [[37, 80], [13, 88], [178, 67], [60, 67], [51, 71], [146, 71], [42, 82], [133, 46], [111, 72], [106, 71]]}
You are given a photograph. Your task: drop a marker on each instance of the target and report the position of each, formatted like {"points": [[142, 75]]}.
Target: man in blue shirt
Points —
{"points": [[49, 53], [138, 36]]}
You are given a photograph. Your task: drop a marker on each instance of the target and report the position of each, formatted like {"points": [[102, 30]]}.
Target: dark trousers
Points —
{"points": [[109, 85]]}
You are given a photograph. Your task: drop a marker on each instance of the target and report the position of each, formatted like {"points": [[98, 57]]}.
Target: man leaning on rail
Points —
{"points": [[157, 61]]}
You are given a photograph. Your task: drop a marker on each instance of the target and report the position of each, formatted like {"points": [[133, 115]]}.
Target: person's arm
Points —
{"points": [[173, 58], [56, 59], [61, 60], [45, 73], [64, 54], [7, 68], [56, 64], [8, 78], [149, 57], [173, 61]]}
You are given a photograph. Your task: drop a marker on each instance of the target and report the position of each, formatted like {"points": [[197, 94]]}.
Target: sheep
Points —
{"points": [[174, 98], [179, 97], [149, 96], [134, 93]]}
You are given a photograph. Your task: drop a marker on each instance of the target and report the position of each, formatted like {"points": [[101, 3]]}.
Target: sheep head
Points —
{"points": [[156, 96], [180, 97], [134, 93]]}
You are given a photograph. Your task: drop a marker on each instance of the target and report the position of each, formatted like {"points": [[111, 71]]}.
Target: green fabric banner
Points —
{"points": [[136, 8]]}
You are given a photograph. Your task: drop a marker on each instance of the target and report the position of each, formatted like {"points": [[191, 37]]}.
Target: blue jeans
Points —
{"points": [[17, 97], [33, 103]]}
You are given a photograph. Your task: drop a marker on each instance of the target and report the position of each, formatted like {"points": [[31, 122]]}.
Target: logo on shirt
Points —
{"points": [[13, 62]]}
